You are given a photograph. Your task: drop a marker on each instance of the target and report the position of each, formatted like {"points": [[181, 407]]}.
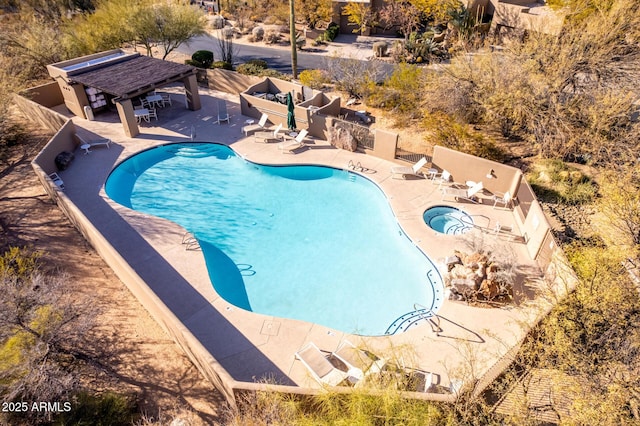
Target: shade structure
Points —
{"points": [[291, 117]]}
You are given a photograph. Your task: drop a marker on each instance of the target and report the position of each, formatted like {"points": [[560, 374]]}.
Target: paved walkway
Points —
{"points": [[251, 346]]}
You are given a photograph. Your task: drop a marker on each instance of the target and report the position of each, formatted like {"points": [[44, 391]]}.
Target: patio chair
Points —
{"points": [[223, 115], [251, 128], [319, 366], [57, 180], [358, 361], [166, 99], [444, 178], [405, 171], [292, 145], [464, 194], [505, 199], [153, 113], [267, 136]]}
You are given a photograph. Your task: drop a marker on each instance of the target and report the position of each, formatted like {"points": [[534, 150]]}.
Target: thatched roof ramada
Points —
{"points": [[134, 76]]}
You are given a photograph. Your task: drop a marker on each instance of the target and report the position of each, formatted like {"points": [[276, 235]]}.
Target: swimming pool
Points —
{"points": [[312, 243], [448, 220]]}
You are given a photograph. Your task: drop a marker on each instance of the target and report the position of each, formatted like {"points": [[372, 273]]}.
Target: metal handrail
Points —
{"points": [[435, 324]]}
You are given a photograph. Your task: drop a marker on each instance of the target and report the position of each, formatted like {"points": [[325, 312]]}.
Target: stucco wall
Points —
{"points": [[464, 167], [230, 81], [45, 117], [47, 95]]}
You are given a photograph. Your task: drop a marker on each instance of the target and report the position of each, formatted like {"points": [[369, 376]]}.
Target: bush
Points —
{"points": [[313, 78], [449, 133], [106, 409], [202, 58], [331, 32], [272, 37], [258, 63], [556, 181], [222, 64], [258, 33], [249, 69], [380, 49]]}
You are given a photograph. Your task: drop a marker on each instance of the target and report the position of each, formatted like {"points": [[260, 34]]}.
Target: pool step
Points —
{"points": [[195, 151], [408, 320]]}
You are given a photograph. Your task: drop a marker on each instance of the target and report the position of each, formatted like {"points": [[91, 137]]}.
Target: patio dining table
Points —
{"points": [[156, 100], [142, 113]]}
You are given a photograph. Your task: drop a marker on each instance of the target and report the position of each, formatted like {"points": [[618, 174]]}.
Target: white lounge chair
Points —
{"points": [[292, 145], [444, 178], [319, 366], [403, 171], [94, 143], [505, 199], [358, 361], [251, 128], [267, 136], [464, 194], [57, 180], [223, 115]]}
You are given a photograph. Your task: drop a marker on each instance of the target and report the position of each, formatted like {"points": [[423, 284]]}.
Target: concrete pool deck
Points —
{"points": [[254, 347]]}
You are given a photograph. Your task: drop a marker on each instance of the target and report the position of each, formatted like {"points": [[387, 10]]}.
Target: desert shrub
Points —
{"points": [[258, 33], [271, 37], [222, 64], [18, 262], [258, 63], [447, 132], [202, 58], [313, 78], [106, 409], [556, 181], [217, 22], [249, 69], [401, 92], [331, 32], [380, 49]]}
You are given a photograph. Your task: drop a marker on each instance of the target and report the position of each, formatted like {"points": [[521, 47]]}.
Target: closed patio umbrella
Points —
{"points": [[291, 118]]}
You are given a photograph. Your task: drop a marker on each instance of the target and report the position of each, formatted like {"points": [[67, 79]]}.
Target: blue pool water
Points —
{"points": [[448, 220], [306, 242]]}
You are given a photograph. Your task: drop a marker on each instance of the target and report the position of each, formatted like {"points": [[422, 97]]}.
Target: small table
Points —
{"points": [[248, 122], [470, 183], [156, 100], [86, 147], [432, 173], [140, 114], [291, 135]]}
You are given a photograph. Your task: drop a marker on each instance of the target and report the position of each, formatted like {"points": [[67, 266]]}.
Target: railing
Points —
{"points": [[411, 157]]}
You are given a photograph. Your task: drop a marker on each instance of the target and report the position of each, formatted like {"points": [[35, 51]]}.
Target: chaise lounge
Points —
{"points": [[359, 362], [319, 366], [404, 171], [463, 194]]}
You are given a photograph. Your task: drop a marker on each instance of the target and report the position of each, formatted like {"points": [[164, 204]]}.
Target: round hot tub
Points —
{"points": [[447, 220]]}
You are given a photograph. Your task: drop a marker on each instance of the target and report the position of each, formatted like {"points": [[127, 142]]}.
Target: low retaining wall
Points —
{"points": [[40, 113]]}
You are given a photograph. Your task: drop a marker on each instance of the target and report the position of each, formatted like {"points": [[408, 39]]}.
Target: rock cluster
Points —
{"points": [[472, 277], [342, 139]]}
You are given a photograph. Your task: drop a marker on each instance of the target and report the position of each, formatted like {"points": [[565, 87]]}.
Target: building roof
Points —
{"points": [[133, 76]]}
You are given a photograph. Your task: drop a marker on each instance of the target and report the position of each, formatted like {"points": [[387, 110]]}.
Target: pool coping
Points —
{"points": [[265, 343]]}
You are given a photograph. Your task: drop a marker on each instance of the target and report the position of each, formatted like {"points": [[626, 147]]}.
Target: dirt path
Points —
{"points": [[141, 358]]}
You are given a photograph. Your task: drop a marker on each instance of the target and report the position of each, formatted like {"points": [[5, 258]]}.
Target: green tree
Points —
{"points": [[314, 11], [404, 15], [360, 15], [436, 10], [151, 24]]}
